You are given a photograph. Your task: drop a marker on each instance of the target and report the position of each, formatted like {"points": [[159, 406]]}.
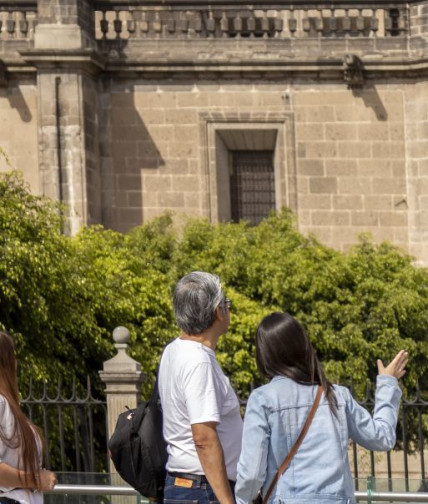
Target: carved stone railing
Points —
{"points": [[18, 20], [160, 19], [164, 20]]}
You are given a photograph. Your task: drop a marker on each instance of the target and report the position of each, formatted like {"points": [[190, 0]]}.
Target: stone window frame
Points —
{"points": [[284, 153]]}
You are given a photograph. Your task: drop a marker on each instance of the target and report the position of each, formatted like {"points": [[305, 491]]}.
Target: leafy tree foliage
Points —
{"points": [[62, 296]]}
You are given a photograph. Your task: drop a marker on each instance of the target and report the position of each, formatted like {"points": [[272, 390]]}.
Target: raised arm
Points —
{"points": [[378, 432]]}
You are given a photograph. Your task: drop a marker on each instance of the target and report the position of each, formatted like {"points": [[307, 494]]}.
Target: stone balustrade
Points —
{"points": [[233, 21], [115, 19], [17, 22]]}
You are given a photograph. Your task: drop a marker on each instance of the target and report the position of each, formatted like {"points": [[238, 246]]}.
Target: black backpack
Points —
{"points": [[138, 449]]}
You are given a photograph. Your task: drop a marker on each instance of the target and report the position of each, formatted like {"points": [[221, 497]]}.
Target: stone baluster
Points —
{"points": [[346, 22], [332, 22], [224, 25], [251, 24], [183, 24], [171, 25], [104, 25], [23, 24], [319, 23], [237, 25], [306, 22], [197, 24], [157, 24], [292, 23], [374, 23], [360, 23], [131, 25], [278, 25], [10, 24], [144, 24], [210, 24], [117, 25], [265, 25]]}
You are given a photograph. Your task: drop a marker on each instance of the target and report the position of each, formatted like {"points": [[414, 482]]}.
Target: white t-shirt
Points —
{"points": [[10, 456], [194, 389]]}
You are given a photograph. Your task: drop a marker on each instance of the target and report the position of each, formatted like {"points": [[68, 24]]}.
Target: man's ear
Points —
{"points": [[219, 314]]}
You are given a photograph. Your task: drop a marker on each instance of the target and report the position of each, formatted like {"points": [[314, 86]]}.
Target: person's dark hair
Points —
{"points": [[284, 349], [25, 434]]}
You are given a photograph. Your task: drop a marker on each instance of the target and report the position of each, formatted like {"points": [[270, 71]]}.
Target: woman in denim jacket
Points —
{"points": [[276, 413]]}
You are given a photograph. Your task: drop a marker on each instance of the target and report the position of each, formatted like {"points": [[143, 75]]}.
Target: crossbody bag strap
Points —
{"points": [[296, 446]]}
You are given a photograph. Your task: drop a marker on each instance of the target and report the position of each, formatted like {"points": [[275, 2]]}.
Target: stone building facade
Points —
{"points": [[125, 108]]}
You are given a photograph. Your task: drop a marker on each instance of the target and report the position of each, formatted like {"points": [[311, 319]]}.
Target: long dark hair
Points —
{"points": [[284, 349], [25, 434]]}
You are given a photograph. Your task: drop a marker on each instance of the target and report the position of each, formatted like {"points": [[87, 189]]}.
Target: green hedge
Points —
{"points": [[62, 296]]}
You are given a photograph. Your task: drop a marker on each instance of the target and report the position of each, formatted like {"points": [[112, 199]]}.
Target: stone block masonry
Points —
{"points": [[123, 113]]}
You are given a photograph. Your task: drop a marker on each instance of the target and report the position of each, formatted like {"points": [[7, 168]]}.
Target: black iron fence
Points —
{"points": [[407, 461], [74, 425]]}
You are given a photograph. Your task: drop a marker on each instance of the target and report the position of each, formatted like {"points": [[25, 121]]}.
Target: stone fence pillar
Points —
{"points": [[122, 376]]}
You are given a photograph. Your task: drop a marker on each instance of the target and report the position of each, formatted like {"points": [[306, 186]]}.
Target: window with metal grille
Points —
{"points": [[252, 185]]}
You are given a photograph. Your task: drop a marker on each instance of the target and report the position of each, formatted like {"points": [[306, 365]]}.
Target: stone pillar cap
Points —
{"points": [[121, 363]]}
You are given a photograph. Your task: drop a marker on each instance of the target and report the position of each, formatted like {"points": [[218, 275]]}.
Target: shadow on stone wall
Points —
{"points": [[127, 149], [372, 100], [17, 101]]}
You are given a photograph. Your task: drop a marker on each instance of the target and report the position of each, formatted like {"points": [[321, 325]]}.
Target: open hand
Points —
{"points": [[397, 367]]}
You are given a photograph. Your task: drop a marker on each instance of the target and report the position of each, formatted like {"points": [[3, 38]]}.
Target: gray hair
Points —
{"points": [[196, 298]]}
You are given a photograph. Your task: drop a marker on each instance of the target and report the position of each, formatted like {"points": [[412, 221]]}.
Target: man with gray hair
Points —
{"points": [[202, 421]]}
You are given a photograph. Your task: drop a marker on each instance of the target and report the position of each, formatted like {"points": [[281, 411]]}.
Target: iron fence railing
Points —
{"points": [[73, 423], [411, 436]]}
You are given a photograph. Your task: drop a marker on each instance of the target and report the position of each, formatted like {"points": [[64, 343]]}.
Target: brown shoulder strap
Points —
{"points": [[293, 450]]}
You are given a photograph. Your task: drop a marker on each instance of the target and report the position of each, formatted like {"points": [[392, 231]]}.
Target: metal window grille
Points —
{"points": [[252, 185]]}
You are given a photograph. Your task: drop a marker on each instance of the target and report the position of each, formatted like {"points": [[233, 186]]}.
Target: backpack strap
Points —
{"points": [[296, 446], [155, 396]]}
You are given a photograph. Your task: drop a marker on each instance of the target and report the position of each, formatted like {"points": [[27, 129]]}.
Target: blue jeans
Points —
{"points": [[200, 492]]}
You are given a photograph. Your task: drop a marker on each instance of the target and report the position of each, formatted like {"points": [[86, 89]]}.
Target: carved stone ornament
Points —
{"points": [[353, 72]]}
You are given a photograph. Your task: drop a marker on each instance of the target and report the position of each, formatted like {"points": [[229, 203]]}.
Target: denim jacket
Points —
{"points": [[320, 471]]}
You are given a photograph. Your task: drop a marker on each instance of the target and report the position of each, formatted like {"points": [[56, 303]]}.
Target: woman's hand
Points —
{"points": [[47, 480], [397, 366]]}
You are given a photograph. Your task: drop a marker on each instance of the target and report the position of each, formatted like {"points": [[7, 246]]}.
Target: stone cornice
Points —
{"points": [[275, 69], [88, 60], [272, 64], [331, 68]]}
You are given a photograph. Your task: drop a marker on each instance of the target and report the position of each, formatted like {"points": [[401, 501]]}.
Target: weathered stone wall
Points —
{"points": [[360, 156], [349, 150], [351, 163], [146, 102], [18, 131], [416, 141]]}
